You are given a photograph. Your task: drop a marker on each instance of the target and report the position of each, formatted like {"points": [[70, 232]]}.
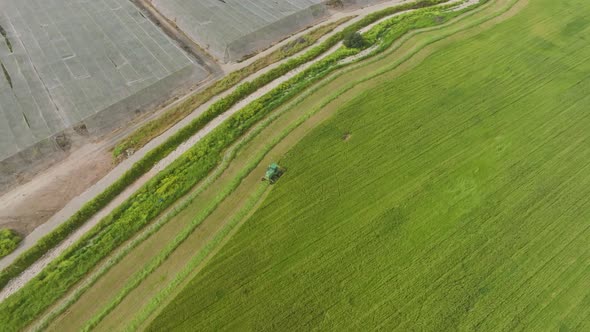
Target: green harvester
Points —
{"points": [[273, 173]]}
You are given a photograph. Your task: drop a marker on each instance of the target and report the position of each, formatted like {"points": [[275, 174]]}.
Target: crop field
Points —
{"points": [[451, 195], [79, 260]]}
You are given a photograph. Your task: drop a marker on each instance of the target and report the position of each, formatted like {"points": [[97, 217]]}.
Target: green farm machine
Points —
{"points": [[273, 173]]}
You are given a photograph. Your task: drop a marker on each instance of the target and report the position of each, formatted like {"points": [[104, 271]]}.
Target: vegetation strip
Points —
{"points": [[147, 132], [178, 240], [158, 194], [209, 209], [151, 158], [229, 156], [198, 259], [153, 304]]}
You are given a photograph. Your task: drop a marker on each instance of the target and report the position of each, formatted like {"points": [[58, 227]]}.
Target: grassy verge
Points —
{"points": [[197, 260], [186, 201], [155, 302], [9, 240], [158, 300], [150, 200], [147, 132]]}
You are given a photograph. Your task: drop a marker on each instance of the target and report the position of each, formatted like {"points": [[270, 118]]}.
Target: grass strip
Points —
{"points": [[155, 196], [154, 128], [140, 276], [230, 155], [178, 240], [199, 258], [155, 303]]}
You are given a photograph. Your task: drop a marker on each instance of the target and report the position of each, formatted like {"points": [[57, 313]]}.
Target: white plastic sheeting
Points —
{"points": [[65, 61]]}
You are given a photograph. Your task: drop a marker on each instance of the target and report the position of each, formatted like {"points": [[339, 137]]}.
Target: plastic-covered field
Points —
{"points": [[65, 61], [231, 29]]}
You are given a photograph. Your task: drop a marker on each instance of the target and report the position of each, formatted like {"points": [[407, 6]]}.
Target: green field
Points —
{"points": [[452, 197]]}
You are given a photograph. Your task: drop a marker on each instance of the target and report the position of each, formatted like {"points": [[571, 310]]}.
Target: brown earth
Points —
{"points": [[27, 206]]}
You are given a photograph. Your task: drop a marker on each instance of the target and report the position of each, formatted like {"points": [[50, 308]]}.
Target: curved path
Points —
{"points": [[118, 171]]}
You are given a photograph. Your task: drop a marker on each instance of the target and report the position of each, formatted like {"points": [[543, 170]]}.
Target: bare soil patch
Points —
{"points": [[25, 207]]}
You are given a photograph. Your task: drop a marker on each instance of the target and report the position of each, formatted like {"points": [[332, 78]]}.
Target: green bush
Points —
{"points": [[9, 240], [354, 40]]}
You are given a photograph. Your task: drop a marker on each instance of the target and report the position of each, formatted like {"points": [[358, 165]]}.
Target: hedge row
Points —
{"points": [[153, 128], [156, 195]]}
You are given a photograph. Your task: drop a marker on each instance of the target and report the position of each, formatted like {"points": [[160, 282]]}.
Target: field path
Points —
{"points": [[72, 207]]}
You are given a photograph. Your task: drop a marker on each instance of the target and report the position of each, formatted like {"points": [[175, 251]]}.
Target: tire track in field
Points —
{"points": [[486, 222]]}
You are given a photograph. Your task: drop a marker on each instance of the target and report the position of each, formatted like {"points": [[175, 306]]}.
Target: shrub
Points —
{"points": [[354, 40], [9, 240]]}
